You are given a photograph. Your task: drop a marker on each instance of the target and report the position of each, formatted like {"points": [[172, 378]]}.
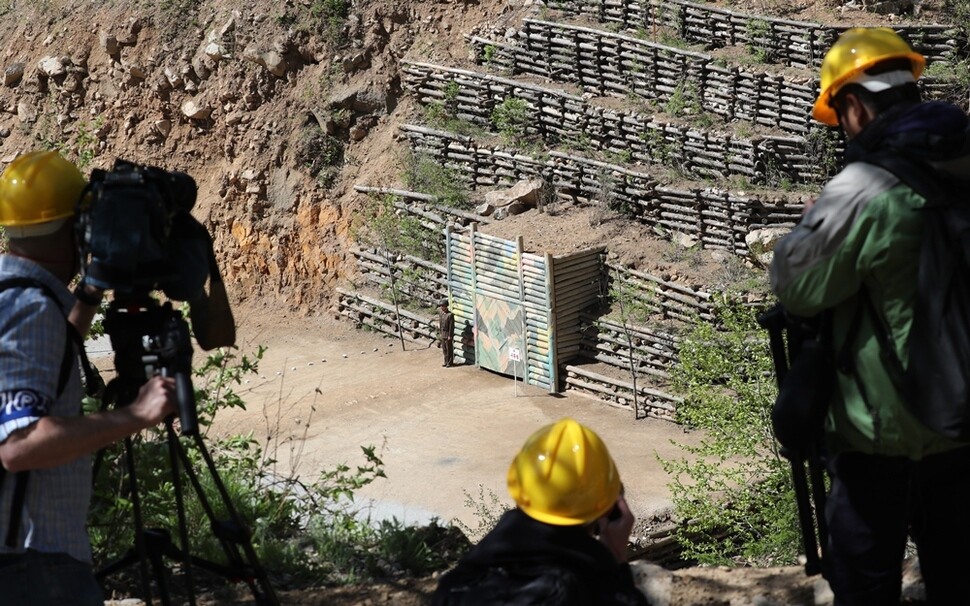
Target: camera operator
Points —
{"points": [[46, 558], [856, 251]]}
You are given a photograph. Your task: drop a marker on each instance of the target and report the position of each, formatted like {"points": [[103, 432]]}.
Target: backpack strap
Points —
{"points": [[92, 384], [939, 192], [917, 174]]}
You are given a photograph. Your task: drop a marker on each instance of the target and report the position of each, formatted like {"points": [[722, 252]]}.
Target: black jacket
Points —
{"points": [[524, 562]]}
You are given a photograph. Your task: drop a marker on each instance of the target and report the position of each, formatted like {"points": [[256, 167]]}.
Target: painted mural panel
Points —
{"points": [[500, 329]]}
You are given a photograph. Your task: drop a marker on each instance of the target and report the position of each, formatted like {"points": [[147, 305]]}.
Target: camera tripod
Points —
{"points": [[798, 431], [149, 338]]}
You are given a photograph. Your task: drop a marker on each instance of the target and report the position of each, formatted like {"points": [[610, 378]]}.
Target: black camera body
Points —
{"points": [[136, 235], [136, 232]]}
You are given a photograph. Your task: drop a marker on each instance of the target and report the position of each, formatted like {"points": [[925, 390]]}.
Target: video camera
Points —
{"points": [[136, 235]]}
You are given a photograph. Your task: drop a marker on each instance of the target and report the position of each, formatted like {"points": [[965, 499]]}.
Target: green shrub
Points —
{"points": [[423, 173], [759, 37], [321, 154], [733, 488], [511, 119], [329, 17], [487, 508]]}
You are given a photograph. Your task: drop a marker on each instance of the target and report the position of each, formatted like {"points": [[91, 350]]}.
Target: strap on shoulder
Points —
{"points": [[92, 381]]}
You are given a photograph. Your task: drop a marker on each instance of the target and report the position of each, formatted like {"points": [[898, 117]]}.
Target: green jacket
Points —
{"points": [[861, 232]]}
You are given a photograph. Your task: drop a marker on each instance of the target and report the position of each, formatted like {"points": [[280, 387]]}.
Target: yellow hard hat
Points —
{"points": [[37, 190], [855, 51], [564, 475]]}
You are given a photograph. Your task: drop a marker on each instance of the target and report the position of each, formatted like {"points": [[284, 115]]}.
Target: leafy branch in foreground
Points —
{"points": [[733, 488]]}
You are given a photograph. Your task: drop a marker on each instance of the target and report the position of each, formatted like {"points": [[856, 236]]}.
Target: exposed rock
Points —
{"points": [[109, 43], [684, 240], [515, 200], [196, 110], [162, 127], [53, 66], [272, 60], [136, 72], [721, 256], [174, 78], [13, 74], [275, 63], [200, 68], [654, 581], [761, 242], [216, 51], [129, 37], [361, 99], [26, 113], [356, 62]]}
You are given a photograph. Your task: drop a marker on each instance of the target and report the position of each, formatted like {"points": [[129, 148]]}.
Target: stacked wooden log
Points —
{"points": [[557, 117]]}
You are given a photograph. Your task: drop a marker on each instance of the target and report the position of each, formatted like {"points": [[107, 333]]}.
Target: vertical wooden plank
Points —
{"points": [[472, 240], [448, 259], [519, 244], [551, 320]]}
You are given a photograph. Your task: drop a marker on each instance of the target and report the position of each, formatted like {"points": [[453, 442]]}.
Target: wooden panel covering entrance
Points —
{"points": [[504, 298]]}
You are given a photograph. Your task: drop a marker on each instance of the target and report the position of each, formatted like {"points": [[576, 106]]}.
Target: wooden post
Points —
{"points": [[448, 260], [551, 320], [525, 325], [472, 241]]}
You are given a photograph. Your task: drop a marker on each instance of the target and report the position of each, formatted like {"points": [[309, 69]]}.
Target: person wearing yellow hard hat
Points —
{"points": [[45, 441], [565, 542], [856, 255]]}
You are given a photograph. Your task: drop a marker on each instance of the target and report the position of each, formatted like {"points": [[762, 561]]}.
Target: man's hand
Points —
{"points": [[808, 205], [615, 533], [156, 400], [53, 440]]}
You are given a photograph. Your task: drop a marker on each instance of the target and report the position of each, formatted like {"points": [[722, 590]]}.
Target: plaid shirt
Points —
{"points": [[32, 341]]}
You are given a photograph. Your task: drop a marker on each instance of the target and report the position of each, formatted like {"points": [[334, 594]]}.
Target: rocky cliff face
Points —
{"points": [[275, 108]]}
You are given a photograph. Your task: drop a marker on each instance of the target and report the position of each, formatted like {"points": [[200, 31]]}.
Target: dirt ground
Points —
{"points": [[325, 389]]}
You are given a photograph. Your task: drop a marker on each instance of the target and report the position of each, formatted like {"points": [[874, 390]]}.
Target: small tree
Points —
{"points": [[631, 308], [511, 119]]}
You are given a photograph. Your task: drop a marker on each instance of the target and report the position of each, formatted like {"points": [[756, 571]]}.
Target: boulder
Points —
{"points": [[196, 110], [13, 74], [515, 200], [109, 42], [484, 209], [53, 66], [761, 242], [26, 112], [272, 60]]}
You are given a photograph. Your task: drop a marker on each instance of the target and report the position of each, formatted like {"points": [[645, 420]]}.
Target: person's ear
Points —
{"points": [[853, 114]]}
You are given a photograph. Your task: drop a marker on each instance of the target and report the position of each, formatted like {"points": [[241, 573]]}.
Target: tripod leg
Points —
{"points": [[805, 516], [173, 462], [817, 477], [234, 535], [140, 546]]}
